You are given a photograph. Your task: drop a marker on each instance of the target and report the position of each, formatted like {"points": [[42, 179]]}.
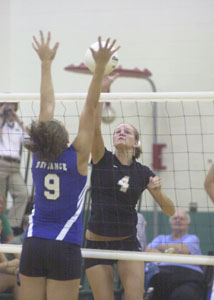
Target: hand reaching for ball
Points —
{"points": [[102, 53]]}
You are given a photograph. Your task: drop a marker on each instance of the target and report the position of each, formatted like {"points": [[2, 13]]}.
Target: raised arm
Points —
{"points": [[46, 55], [160, 197], [98, 147], [2, 118], [209, 183], [84, 139]]}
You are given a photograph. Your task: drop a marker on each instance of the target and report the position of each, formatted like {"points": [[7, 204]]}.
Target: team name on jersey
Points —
{"points": [[51, 165]]}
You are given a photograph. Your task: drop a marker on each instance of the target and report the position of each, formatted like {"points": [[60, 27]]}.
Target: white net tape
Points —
{"points": [[156, 97], [130, 255]]}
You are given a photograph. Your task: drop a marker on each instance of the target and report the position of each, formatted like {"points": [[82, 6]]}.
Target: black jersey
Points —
{"points": [[116, 189]]}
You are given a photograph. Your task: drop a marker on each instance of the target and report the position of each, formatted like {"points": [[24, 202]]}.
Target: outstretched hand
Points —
{"points": [[43, 49], [104, 53]]}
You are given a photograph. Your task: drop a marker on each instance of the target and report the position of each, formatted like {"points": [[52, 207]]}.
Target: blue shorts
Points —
{"points": [[52, 259], [129, 244]]}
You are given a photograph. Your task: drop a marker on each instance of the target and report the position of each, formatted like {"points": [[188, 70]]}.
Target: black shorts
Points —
{"points": [[129, 244], [52, 259]]}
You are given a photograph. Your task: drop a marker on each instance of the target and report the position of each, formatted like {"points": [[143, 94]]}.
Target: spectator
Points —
{"points": [[8, 274], [19, 239], [12, 133], [7, 232], [177, 281], [8, 271]]}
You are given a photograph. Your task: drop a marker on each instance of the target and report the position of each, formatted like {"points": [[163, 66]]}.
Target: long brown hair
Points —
{"points": [[48, 139], [138, 149]]}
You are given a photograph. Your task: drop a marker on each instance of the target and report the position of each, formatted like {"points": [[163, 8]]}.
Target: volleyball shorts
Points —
{"points": [[129, 244], [52, 259]]}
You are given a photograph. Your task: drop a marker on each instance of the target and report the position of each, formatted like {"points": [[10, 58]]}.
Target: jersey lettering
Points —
{"points": [[51, 165], [52, 184], [124, 183]]}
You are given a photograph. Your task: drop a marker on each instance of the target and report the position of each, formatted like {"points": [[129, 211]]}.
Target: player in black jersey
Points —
{"points": [[117, 181]]}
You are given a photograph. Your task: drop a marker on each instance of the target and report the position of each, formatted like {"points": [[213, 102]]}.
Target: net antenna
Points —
{"points": [[109, 114]]}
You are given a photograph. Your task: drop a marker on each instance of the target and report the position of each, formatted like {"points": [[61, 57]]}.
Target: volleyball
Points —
{"points": [[90, 63]]}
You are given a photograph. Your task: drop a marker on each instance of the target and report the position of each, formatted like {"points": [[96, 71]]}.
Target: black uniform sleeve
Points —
{"points": [[148, 173], [107, 154]]}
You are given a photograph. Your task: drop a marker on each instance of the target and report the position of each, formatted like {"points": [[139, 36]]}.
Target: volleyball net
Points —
{"points": [[179, 127]]}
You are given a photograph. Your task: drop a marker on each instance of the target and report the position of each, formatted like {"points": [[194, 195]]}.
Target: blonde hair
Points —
{"points": [[138, 149]]}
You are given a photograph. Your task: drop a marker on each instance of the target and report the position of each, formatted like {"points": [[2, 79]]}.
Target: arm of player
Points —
{"points": [[209, 183], [166, 204], [46, 55], [2, 108], [84, 139], [98, 147], [2, 118]]}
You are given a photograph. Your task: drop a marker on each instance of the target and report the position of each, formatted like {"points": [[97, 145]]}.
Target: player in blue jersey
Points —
{"points": [[117, 181], [51, 258]]}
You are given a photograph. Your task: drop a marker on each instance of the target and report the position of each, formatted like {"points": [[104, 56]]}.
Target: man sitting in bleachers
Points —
{"points": [[177, 281]]}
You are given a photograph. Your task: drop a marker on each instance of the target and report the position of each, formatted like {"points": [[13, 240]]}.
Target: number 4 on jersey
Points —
{"points": [[124, 183]]}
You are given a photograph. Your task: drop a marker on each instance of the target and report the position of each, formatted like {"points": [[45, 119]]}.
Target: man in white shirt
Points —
{"points": [[12, 134]]}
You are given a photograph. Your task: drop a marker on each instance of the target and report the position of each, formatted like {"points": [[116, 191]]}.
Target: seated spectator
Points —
{"points": [[8, 271], [19, 239], [8, 275], [177, 281], [6, 232]]}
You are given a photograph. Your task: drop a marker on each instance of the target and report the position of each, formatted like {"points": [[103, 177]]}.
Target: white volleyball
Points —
{"points": [[90, 63]]}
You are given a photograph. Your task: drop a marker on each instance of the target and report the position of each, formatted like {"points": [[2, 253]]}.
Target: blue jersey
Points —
{"points": [[59, 197]]}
